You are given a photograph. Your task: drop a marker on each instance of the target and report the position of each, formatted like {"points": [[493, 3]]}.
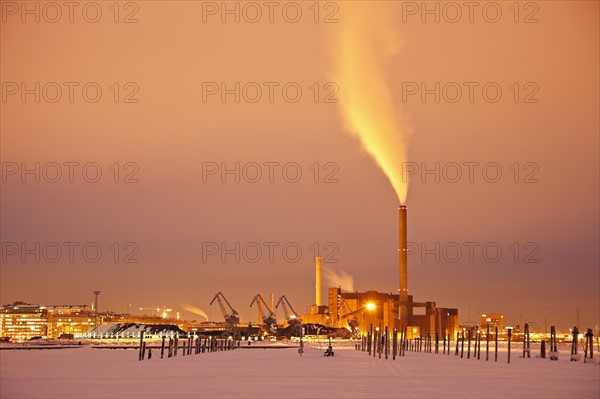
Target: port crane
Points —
{"points": [[352, 316], [293, 319], [269, 319], [232, 317]]}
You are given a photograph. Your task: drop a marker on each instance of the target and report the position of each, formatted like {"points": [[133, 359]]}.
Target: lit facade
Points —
{"points": [[22, 321], [69, 320], [493, 320]]}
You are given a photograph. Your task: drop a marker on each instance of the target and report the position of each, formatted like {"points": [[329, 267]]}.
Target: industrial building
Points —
{"points": [[360, 311], [493, 320]]}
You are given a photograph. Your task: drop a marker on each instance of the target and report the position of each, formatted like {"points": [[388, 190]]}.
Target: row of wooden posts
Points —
{"points": [[378, 342], [191, 345]]}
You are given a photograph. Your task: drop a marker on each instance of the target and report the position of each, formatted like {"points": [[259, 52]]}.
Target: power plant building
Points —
{"points": [[360, 311]]}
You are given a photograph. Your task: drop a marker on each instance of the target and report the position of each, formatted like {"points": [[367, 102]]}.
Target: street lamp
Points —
{"points": [[96, 293]]}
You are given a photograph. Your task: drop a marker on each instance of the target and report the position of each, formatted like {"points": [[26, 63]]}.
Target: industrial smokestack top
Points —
{"points": [[318, 261]]}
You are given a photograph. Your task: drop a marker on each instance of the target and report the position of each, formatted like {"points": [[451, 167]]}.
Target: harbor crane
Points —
{"points": [[269, 319], [351, 317], [232, 317], [293, 319]]}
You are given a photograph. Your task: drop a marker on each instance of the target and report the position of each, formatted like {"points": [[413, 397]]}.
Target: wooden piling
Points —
{"points": [[394, 343], [143, 350], [368, 346], [162, 348], [462, 344], [575, 335], [487, 343], [589, 344], [496, 345], [175, 345], [469, 346], [387, 342], [456, 353], [141, 345], [553, 344], [526, 349], [405, 337], [509, 336], [374, 343], [543, 349], [478, 344]]}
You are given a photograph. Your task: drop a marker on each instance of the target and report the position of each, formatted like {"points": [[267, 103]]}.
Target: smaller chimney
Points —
{"points": [[318, 261]]}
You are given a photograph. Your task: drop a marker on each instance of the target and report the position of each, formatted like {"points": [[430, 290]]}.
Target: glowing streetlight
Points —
{"points": [[371, 306]]}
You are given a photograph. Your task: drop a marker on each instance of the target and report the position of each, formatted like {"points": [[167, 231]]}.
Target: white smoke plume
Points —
{"points": [[339, 279], [195, 310], [364, 46]]}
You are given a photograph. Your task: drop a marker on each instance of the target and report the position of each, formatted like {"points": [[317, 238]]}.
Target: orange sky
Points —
{"points": [[170, 132]]}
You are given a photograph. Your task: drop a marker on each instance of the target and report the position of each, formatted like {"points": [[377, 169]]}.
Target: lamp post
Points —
{"points": [[96, 293]]}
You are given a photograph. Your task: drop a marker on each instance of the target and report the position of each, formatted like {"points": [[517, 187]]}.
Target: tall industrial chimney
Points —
{"points": [[318, 261], [403, 311]]}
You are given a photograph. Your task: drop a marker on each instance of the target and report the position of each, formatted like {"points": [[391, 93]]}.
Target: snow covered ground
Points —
{"points": [[265, 373]]}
